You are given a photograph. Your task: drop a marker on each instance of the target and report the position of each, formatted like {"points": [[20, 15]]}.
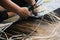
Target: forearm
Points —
{"points": [[8, 4], [31, 2]]}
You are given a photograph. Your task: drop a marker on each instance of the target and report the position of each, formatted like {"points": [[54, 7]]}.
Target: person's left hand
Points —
{"points": [[31, 2]]}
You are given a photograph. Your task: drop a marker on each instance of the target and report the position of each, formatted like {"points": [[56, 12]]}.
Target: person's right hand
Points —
{"points": [[24, 12]]}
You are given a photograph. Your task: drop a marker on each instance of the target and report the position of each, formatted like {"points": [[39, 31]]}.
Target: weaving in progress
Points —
{"points": [[43, 26]]}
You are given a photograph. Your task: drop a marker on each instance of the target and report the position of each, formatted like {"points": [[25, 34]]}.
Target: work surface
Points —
{"points": [[43, 32]]}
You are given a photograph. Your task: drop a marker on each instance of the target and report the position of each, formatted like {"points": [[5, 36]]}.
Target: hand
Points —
{"points": [[35, 11], [24, 12], [31, 2], [11, 6]]}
